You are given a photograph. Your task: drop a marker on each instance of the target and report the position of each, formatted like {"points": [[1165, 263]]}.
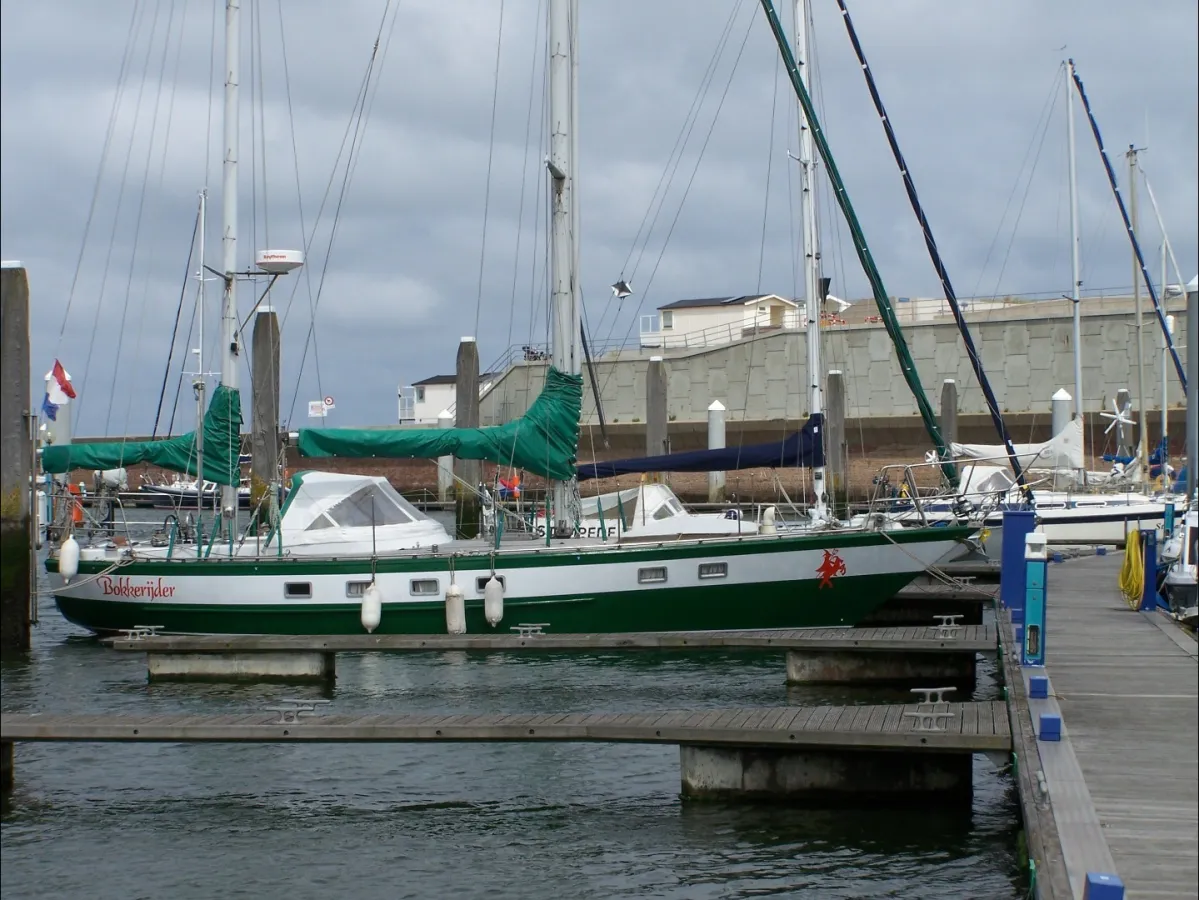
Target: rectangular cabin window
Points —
{"points": [[297, 590], [355, 589], [714, 570], [654, 575], [425, 587], [481, 582]]}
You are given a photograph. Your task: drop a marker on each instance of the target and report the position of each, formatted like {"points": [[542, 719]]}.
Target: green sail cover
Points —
{"points": [[544, 441], [222, 446]]}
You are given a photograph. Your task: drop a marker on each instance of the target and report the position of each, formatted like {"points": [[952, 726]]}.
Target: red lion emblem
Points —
{"points": [[832, 566]]}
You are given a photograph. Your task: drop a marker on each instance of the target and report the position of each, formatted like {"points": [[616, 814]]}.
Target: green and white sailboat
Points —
{"points": [[348, 553]]}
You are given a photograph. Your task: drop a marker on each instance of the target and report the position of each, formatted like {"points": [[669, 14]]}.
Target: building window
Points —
{"points": [[667, 320], [714, 570], [425, 587], [297, 590], [481, 582], [356, 589], [420, 395]]}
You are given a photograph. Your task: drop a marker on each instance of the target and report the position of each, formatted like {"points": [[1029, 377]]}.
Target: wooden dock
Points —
{"points": [[922, 639], [1118, 793]]}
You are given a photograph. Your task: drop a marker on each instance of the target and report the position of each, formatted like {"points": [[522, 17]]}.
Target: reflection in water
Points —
{"points": [[520, 821]]}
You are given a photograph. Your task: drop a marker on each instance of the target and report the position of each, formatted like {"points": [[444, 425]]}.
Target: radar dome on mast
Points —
{"points": [[279, 262]]}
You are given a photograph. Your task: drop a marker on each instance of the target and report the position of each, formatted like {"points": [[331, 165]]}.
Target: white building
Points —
{"points": [[422, 401], [713, 321]]}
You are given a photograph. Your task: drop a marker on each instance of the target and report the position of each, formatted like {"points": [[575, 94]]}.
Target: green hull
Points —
{"points": [[778, 605], [245, 596]]}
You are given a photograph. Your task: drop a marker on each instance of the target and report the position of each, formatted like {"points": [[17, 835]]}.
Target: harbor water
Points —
{"points": [[488, 820]]}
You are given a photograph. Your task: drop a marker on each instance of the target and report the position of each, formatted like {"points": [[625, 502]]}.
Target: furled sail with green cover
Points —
{"points": [[544, 441], [222, 446]]}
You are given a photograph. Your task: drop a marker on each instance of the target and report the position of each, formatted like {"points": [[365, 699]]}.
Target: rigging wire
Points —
{"points": [[175, 331], [121, 92], [1042, 125], [137, 227], [935, 255], [355, 132], [524, 173], [690, 181], [126, 57], [495, 99]]}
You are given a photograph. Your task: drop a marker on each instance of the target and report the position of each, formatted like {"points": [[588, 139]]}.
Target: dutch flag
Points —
{"points": [[59, 391]]}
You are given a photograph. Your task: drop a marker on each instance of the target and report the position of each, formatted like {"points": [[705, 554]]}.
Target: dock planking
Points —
{"points": [[1122, 781], [924, 639], [832, 727]]}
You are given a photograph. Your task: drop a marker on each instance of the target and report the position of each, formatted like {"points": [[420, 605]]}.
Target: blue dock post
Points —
{"points": [[1168, 520], [1032, 651], [1149, 601], [1102, 886], [1017, 524]]}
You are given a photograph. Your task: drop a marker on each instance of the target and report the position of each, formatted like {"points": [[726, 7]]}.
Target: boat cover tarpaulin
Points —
{"points": [[222, 447], [804, 448], [544, 441]]}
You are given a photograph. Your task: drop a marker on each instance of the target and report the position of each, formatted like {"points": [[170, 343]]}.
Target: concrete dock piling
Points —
{"points": [[819, 776], [716, 441], [16, 461], [466, 498]]}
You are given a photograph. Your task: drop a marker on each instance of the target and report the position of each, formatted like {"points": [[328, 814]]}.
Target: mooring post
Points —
{"points": [[1036, 564], [716, 441], [264, 404], [1149, 558], [835, 445], [466, 400], [445, 464], [16, 458], [655, 407]]}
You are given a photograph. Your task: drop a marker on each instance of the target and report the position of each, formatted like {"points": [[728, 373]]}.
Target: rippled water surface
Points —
{"points": [[521, 821]]}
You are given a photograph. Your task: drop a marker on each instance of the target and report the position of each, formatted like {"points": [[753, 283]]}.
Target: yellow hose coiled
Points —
{"points": [[1132, 573]]}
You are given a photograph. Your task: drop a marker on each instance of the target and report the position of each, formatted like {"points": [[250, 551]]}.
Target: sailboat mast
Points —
{"points": [[811, 249], [563, 285], [200, 384], [1075, 276], [1143, 413], [229, 351]]}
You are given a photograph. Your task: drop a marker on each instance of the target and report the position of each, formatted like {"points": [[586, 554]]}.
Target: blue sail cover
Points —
{"points": [[804, 448]]}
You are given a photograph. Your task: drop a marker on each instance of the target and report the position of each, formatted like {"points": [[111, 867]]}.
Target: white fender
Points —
{"points": [[767, 524], [493, 601], [455, 610], [372, 607], [68, 558]]}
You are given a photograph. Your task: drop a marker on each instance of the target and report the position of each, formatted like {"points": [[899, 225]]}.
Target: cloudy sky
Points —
{"points": [[113, 108]]}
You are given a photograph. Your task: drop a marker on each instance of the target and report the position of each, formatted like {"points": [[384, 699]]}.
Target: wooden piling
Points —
{"points": [[16, 547], [264, 438], [466, 400]]}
